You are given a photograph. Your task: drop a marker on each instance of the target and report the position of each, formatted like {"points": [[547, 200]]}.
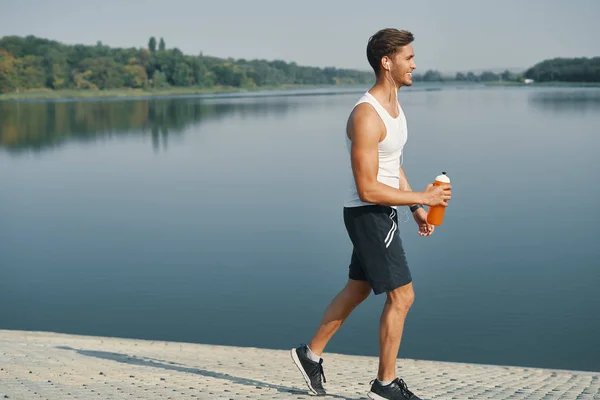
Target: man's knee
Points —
{"points": [[402, 298], [359, 290]]}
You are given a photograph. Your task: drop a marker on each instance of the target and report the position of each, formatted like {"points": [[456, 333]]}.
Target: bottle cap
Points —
{"points": [[442, 178]]}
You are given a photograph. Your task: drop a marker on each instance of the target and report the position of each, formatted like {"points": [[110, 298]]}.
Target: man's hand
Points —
{"points": [[420, 216], [437, 195]]}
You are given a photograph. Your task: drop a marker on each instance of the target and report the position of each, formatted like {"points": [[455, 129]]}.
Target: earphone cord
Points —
{"points": [[395, 87], [402, 179], [401, 154]]}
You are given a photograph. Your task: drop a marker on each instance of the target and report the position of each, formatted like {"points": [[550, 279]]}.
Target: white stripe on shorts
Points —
{"points": [[390, 235]]}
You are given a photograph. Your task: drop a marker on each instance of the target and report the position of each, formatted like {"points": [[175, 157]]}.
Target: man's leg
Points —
{"points": [[354, 293], [391, 325], [311, 365]]}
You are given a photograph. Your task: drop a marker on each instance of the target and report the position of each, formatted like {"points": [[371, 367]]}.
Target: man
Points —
{"points": [[376, 132]]}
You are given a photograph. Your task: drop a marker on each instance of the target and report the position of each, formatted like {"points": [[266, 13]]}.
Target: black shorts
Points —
{"points": [[378, 256]]}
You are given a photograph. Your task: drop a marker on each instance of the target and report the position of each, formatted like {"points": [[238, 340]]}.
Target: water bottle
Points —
{"points": [[435, 215]]}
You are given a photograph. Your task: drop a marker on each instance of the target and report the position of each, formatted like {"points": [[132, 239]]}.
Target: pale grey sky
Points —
{"points": [[450, 35]]}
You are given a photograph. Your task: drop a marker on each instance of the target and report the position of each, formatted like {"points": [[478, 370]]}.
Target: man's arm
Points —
{"points": [[365, 129], [404, 185]]}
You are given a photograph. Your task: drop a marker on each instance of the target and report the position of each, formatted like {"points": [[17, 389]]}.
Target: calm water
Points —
{"points": [[219, 220]]}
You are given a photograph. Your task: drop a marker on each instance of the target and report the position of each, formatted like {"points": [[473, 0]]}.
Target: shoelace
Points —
{"points": [[321, 370], [404, 388]]}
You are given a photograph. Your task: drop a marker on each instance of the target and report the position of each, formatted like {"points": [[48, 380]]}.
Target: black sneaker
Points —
{"points": [[311, 371], [397, 390]]}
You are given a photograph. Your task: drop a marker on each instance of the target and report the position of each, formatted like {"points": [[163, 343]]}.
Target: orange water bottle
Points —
{"points": [[435, 215]]}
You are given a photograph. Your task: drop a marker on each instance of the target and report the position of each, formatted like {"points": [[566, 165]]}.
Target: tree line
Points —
{"points": [[566, 70], [485, 76], [34, 63], [37, 63], [577, 70]]}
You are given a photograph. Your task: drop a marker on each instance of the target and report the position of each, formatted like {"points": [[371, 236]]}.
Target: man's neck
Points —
{"points": [[383, 91]]}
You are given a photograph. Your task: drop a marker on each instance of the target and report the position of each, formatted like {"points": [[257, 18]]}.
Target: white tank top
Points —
{"points": [[390, 150]]}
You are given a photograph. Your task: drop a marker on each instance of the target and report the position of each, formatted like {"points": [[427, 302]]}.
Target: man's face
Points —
{"points": [[403, 66]]}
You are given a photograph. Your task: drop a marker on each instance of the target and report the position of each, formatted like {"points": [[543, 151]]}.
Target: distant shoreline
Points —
{"points": [[123, 93], [543, 84], [218, 90]]}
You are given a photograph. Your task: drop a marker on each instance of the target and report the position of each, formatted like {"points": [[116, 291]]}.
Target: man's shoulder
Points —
{"points": [[364, 115]]}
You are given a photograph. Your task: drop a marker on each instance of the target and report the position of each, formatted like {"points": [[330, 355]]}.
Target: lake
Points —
{"points": [[218, 220]]}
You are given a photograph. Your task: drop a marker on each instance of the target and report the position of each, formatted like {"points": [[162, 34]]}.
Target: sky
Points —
{"points": [[450, 35]]}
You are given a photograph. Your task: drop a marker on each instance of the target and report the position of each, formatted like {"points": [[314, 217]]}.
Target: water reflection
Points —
{"points": [[38, 126], [580, 100]]}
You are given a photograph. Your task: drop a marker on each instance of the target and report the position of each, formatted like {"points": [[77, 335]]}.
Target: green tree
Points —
{"points": [[105, 72], [152, 44], [224, 74], [57, 69], [566, 69], [202, 75], [432, 76], [9, 78], [135, 76], [264, 74], [82, 80], [488, 76], [159, 80], [31, 72], [183, 75], [23, 59], [471, 77]]}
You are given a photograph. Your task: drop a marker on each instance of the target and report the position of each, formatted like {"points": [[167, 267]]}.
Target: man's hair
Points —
{"points": [[386, 42]]}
